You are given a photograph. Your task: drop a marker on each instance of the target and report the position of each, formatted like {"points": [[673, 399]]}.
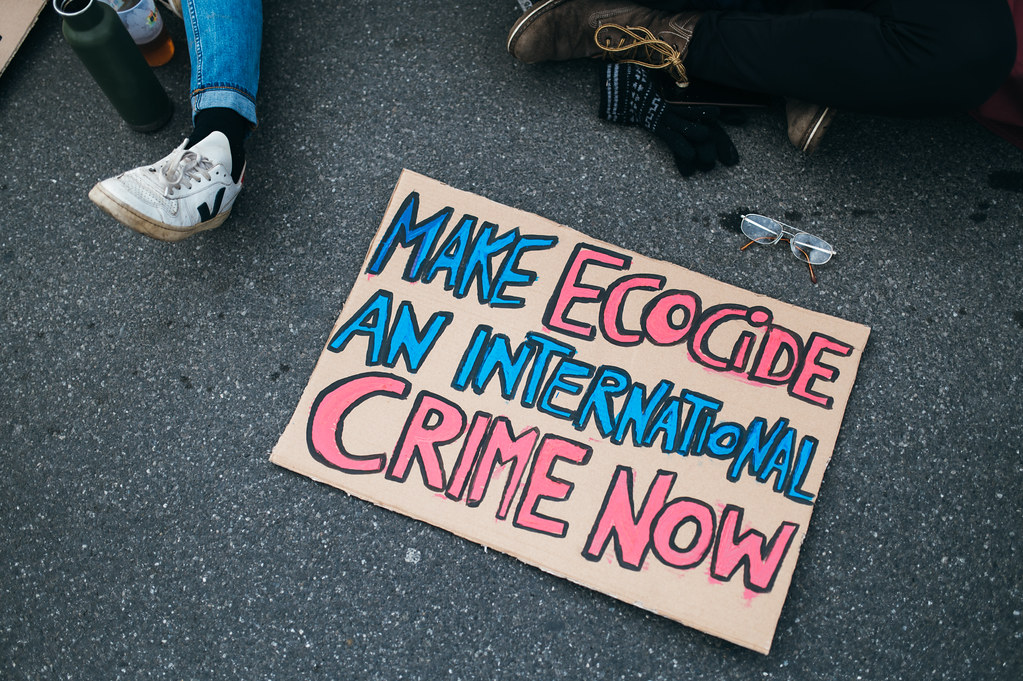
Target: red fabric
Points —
{"points": [[1003, 112]]}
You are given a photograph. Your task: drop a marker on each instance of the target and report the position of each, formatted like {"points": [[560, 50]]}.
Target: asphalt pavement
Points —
{"points": [[146, 535]]}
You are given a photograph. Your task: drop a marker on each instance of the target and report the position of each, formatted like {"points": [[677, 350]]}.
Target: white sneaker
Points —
{"points": [[189, 191]]}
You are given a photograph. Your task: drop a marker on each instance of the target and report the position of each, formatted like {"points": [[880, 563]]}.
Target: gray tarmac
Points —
{"points": [[146, 535]]}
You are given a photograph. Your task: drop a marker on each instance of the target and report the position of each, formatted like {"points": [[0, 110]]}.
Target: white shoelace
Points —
{"points": [[181, 168]]}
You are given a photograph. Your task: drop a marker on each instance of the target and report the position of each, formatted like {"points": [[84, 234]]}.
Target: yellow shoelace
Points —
{"points": [[643, 50]]}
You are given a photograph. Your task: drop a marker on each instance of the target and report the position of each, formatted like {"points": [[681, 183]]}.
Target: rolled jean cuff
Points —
{"points": [[224, 96]]}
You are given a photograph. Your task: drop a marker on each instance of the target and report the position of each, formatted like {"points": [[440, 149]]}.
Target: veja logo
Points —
{"points": [[204, 210]]}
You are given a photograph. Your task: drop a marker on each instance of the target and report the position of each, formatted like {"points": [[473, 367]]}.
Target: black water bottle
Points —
{"points": [[104, 45]]}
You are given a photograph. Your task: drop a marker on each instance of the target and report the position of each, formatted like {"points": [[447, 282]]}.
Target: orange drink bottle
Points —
{"points": [[144, 23]]}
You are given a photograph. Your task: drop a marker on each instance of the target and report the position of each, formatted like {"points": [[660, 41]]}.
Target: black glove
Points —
{"points": [[629, 96]]}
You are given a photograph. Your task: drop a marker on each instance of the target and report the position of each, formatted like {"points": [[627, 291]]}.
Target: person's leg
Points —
{"points": [[897, 57], [195, 186], [723, 5], [224, 41], [905, 57]]}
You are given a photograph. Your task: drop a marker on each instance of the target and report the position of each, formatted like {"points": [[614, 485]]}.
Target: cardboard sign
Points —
{"points": [[17, 17], [618, 421]]}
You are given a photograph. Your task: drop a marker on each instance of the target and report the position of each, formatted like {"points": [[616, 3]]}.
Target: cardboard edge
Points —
{"points": [[756, 646], [33, 19]]}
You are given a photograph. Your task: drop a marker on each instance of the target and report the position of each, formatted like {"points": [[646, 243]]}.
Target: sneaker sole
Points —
{"points": [[528, 18], [144, 225]]}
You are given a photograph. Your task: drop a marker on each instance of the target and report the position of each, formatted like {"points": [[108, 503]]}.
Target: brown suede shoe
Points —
{"points": [[556, 30], [807, 123]]}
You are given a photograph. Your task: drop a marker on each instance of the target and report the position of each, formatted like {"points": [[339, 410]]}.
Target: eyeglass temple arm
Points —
{"points": [[813, 274], [806, 259]]}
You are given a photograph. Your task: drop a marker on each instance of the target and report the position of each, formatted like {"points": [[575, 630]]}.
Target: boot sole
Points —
{"points": [[527, 19], [145, 225], [812, 140]]}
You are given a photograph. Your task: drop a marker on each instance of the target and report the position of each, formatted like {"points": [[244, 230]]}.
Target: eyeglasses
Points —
{"points": [[811, 249]]}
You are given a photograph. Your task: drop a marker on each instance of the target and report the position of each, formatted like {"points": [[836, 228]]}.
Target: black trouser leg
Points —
{"points": [[896, 57]]}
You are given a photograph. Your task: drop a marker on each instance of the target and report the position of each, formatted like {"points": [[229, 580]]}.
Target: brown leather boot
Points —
{"points": [[807, 123], [556, 30]]}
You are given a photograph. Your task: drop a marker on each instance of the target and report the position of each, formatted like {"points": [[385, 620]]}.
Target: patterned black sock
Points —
{"points": [[234, 126], [630, 97]]}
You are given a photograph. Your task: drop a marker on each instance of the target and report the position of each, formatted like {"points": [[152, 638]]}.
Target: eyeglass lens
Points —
{"points": [[762, 229], [811, 249]]}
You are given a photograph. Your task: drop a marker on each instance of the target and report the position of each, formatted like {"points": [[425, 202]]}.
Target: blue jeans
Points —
{"points": [[224, 40]]}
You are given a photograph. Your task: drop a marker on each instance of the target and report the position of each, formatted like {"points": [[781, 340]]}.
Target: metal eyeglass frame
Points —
{"points": [[811, 249]]}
